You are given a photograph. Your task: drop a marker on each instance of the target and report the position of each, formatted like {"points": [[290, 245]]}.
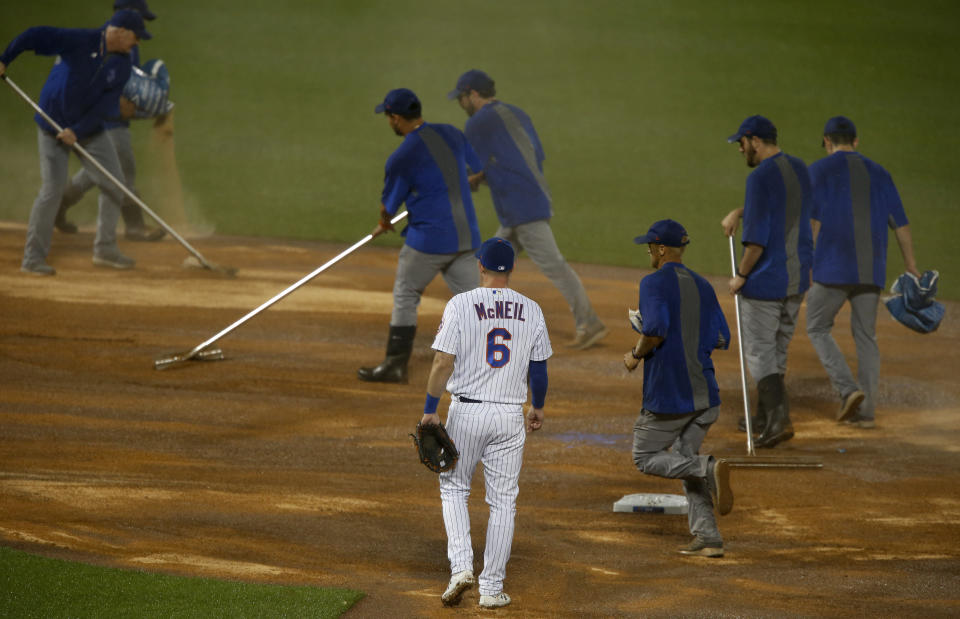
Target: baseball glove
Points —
{"points": [[435, 447]]}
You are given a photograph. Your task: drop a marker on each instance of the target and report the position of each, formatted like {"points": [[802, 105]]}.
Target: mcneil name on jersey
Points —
{"points": [[500, 309]]}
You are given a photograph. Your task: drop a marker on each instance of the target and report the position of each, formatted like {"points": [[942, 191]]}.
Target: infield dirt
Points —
{"points": [[277, 465]]}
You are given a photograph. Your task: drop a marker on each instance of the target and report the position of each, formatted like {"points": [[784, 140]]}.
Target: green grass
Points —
{"points": [[32, 586], [276, 134]]}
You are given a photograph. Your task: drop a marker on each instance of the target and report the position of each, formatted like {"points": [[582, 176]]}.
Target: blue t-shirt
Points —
{"points": [[84, 92], [776, 216], [429, 172], [512, 157], [855, 200], [681, 307]]}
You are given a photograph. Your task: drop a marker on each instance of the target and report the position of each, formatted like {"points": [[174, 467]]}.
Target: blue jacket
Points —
{"points": [[83, 93]]}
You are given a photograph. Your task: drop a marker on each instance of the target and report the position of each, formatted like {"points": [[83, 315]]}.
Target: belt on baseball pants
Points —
{"points": [[460, 398]]}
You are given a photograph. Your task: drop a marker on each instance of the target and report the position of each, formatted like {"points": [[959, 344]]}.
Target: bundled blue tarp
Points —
{"points": [[913, 302]]}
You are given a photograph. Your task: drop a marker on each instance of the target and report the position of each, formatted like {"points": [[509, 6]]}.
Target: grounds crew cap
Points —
{"points": [[474, 79], [130, 20], [840, 125], [755, 126], [400, 101], [664, 232], [140, 6]]}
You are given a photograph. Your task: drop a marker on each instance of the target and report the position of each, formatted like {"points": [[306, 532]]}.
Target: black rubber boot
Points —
{"points": [[758, 422], [393, 369], [779, 428]]}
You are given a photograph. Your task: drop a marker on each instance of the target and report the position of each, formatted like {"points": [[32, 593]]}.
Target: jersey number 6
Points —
{"points": [[498, 354]]}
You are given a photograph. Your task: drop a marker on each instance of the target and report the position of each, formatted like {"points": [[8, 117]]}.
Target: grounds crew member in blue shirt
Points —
{"points": [[774, 271], [854, 202], [512, 156], [681, 325], [80, 99], [119, 132], [428, 172]]}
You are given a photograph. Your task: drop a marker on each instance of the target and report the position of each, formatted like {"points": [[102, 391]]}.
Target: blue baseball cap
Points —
{"points": [[841, 125], [400, 101], [131, 20], [140, 6], [496, 254], [665, 232], [755, 126], [474, 79]]}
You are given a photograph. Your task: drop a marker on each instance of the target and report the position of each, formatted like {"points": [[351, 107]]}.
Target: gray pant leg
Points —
{"points": [[863, 324], [101, 148], [537, 238], [132, 215], [653, 435], [462, 273], [760, 319], [789, 311], [415, 271], [823, 304], [54, 160]]}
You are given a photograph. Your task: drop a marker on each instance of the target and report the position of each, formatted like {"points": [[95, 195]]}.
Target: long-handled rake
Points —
{"points": [[199, 353], [752, 460], [229, 271]]}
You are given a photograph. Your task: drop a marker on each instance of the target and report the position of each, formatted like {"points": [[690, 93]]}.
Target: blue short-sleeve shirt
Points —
{"points": [[776, 216], [681, 307], [512, 156], [428, 172], [855, 202]]}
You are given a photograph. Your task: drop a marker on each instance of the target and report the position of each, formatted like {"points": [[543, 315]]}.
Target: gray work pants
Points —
{"points": [[54, 159], [823, 304], [536, 238], [668, 446], [415, 271], [83, 181], [768, 327]]}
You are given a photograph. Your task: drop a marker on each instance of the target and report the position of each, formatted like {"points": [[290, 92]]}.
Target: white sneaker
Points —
{"points": [[494, 601], [459, 582]]}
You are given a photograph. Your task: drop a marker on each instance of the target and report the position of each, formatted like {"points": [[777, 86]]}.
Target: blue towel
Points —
{"points": [[913, 302]]}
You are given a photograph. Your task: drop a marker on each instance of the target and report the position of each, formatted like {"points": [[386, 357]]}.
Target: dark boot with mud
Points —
{"points": [[393, 369], [778, 428]]}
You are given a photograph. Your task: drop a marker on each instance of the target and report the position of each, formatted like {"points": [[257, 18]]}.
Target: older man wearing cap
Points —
{"points": [[774, 271], [512, 156], [80, 99], [118, 130], [491, 345], [428, 172], [854, 202], [680, 324]]}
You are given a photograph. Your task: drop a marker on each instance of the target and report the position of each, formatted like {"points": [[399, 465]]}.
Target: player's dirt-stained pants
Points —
{"points": [[537, 239], [653, 435], [415, 271], [54, 162], [494, 435]]}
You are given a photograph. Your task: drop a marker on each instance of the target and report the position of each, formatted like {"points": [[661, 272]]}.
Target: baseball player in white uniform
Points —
{"points": [[492, 342]]}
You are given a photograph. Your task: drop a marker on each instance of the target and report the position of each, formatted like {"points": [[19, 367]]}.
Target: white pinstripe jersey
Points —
{"points": [[494, 334]]}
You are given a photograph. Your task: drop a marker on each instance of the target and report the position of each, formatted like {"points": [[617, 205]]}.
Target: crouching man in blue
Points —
{"points": [[80, 99], [680, 325]]}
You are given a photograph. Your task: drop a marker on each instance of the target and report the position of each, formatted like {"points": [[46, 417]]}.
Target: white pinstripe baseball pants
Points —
{"points": [[494, 435]]}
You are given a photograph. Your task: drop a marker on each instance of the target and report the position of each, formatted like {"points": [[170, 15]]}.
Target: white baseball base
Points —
{"points": [[652, 503]]}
